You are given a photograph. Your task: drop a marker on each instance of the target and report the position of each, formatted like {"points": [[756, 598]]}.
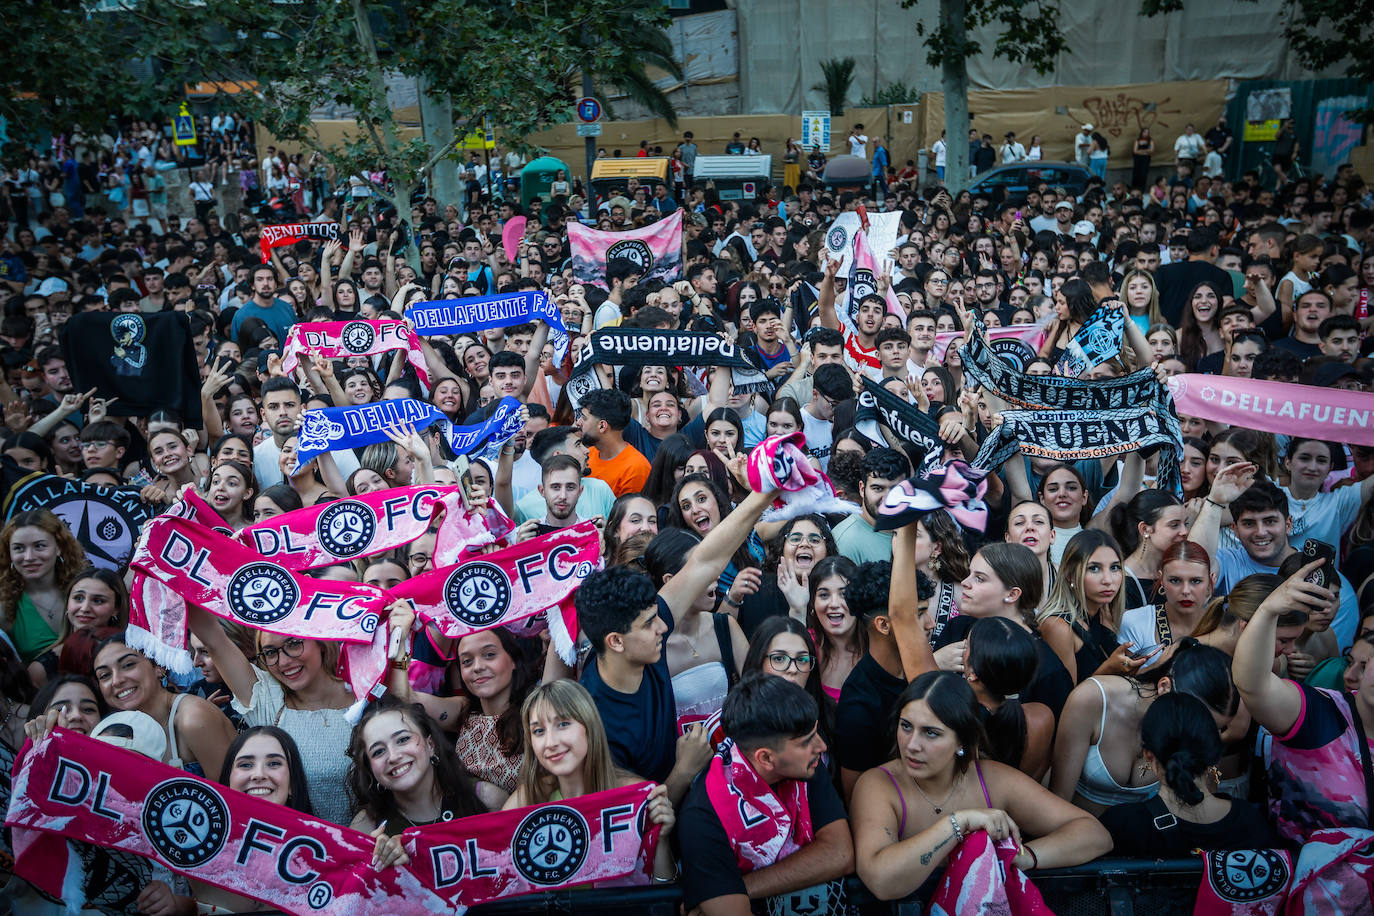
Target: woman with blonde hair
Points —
{"points": [[567, 755], [1141, 296], [39, 558], [1080, 618]]}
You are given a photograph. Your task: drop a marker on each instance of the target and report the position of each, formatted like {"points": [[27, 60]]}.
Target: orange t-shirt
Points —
{"points": [[625, 473]]}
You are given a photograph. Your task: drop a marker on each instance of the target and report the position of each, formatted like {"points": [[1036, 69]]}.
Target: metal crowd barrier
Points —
{"points": [[1107, 887]]}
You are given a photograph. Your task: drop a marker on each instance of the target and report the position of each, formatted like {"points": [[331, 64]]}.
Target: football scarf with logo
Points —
{"points": [[651, 347], [478, 313], [146, 361], [106, 520], [1077, 418], [1277, 407], [956, 488], [1052, 392], [1096, 342], [329, 429], [342, 339], [979, 878], [367, 524], [234, 582], [70, 787], [781, 463], [1244, 882], [863, 280], [1016, 343], [524, 588], [765, 824], [655, 249], [880, 407], [1072, 435], [290, 233]]}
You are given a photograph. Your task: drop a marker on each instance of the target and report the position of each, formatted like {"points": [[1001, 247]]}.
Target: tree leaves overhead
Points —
{"points": [[514, 62], [1029, 32]]}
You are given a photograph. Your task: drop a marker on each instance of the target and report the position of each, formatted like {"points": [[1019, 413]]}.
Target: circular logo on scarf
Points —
{"points": [[106, 520], [261, 593], [862, 286], [346, 528], [357, 337], [632, 250], [835, 240], [478, 593], [1014, 351], [186, 821], [1245, 875], [550, 845]]}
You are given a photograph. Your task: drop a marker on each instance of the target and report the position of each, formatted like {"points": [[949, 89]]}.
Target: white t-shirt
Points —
{"points": [[606, 313], [938, 148], [820, 436], [1211, 166], [1013, 152], [267, 452], [858, 145], [1188, 146]]}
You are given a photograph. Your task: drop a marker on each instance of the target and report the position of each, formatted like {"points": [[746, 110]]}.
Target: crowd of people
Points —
{"points": [[1100, 664]]}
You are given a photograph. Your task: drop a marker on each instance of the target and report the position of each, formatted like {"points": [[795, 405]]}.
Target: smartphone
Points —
{"points": [[1325, 574], [1018, 214], [1145, 652]]}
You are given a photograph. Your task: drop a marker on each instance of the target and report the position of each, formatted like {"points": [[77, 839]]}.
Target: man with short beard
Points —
{"points": [[561, 487], [604, 415], [881, 470]]}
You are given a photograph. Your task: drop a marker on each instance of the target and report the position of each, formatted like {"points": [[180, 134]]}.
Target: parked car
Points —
{"points": [[1011, 182]]}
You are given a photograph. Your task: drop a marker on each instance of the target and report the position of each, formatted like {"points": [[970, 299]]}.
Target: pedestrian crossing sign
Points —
{"points": [[184, 128]]}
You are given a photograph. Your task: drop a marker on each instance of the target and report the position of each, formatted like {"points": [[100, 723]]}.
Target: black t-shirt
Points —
{"points": [[1303, 351], [1211, 363], [641, 726], [1051, 684], [767, 602], [864, 733], [709, 869], [1148, 829], [1176, 283]]}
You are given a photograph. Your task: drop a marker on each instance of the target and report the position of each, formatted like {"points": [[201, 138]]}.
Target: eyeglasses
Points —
{"points": [[796, 537], [95, 444], [293, 648], [782, 662]]}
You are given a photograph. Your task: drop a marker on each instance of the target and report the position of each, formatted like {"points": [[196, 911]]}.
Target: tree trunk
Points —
{"points": [[367, 43], [954, 84], [436, 116]]}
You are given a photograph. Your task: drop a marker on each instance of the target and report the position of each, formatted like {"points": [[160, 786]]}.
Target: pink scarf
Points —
{"points": [[367, 524], [70, 787], [342, 339], [979, 878], [524, 587], [765, 823], [781, 463]]}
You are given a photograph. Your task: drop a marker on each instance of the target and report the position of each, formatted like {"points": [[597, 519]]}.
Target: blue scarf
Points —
{"points": [[329, 429], [467, 316]]}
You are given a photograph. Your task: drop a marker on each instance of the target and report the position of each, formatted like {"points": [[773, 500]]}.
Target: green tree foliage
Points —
{"points": [[515, 62], [891, 94], [837, 74]]}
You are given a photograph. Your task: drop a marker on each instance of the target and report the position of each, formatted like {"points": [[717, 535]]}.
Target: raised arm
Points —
{"points": [[712, 555], [532, 357], [825, 298], [1274, 702], [1230, 482], [912, 644], [236, 670]]}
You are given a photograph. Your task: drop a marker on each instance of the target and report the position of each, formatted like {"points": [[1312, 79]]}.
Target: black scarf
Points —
{"points": [[878, 406], [651, 347]]}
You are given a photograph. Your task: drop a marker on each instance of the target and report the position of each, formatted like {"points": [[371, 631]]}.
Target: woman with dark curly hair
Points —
{"points": [[788, 559], [39, 557]]}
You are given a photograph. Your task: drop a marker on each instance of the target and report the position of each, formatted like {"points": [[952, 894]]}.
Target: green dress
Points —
{"points": [[32, 635]]}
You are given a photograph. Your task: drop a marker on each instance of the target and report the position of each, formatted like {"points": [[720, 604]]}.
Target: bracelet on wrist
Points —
{"points": [[1214, 502], [1035, 860], [732, 602], [958, 831]]}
